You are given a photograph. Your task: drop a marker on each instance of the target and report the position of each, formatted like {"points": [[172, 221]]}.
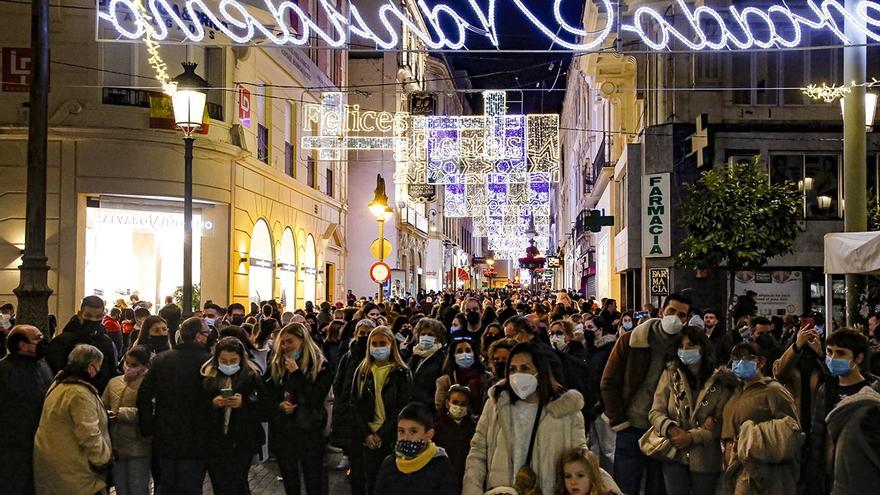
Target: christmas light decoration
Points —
{"points": [[271, 22]]}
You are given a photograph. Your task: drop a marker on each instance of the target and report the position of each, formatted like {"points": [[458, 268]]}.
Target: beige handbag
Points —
{"points": [[657, 447]]}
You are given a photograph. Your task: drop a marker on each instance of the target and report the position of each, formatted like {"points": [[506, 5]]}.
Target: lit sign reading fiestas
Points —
{"points": [[282, 23]]}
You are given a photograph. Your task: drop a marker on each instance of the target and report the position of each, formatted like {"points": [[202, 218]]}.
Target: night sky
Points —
{"points": [[526, 71]]}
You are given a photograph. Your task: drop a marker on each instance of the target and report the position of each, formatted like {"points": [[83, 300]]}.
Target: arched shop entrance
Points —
{"points": [[261, 263], [287, 269], [310, 270]]}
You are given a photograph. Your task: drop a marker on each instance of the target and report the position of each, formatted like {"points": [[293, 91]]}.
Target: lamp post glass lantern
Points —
{"points": [[188, 102]]}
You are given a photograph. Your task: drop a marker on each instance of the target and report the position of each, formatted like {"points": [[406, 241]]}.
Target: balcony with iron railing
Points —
{"points": [[141, 98]]}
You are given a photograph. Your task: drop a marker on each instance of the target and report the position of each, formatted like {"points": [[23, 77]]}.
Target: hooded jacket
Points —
{"points": [[854, 427], [489, 464], [74, 333]]}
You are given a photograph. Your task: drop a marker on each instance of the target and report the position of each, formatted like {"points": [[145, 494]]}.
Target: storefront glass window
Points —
{"points": [[261, 264], [287, 269], [310, 270], [137, 249]]}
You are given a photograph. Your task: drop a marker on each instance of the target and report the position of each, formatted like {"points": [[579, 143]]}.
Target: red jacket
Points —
{"points": [[111, 325]]}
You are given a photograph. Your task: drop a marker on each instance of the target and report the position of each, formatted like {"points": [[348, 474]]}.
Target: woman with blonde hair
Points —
{"points": [[298, 383], [382, 386], [580, 474]]}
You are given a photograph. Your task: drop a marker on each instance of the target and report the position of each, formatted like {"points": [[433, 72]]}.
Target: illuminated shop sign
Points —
{"points": [[284, 23]]}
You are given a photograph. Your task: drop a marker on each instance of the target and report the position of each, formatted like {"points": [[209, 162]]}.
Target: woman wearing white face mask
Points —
{"points": [[687, 410], [426, 362], [528, 422]]}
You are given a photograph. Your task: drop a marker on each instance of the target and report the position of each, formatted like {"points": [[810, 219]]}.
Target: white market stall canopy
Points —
{"points": [[852, 252]]}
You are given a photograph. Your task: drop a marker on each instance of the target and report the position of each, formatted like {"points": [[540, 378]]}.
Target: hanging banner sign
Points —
{"points": [[656, 230], [285, 23], [659, 281]]}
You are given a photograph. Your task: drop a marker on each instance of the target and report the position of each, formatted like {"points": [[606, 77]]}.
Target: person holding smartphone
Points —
{"points": [[237, 405], [297, 384]]}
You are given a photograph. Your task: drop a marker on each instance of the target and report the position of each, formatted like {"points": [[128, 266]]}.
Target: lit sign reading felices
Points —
{"points": [[283, 22]]}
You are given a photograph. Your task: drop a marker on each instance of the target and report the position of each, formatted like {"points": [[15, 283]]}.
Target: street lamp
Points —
{"points": [[380, 209], [870, 109], [188, 102]]}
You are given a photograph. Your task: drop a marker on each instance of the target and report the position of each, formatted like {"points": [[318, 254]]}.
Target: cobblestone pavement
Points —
{"points": [[264, 479]]}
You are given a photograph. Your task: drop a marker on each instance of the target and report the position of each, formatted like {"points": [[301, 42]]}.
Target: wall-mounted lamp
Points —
{"points": [[806, 184], [824, 202]]}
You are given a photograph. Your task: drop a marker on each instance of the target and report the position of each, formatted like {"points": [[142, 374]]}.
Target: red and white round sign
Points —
{"points": [[380, 272]]}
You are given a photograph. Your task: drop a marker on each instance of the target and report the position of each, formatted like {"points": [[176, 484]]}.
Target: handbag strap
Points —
{"points": [[534, 434]]}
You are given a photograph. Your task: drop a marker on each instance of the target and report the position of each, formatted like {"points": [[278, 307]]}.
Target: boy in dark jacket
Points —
{"points": [[417, 466]]}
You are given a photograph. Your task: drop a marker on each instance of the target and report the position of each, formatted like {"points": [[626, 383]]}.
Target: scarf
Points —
{"points": [[425, 353], [409, 466]]}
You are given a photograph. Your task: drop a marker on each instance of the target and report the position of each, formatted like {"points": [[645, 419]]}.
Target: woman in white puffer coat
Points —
{"points": [[500, 447]]}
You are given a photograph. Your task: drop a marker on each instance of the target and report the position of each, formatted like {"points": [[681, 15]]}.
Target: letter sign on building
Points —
{"points": [[655, 216]]}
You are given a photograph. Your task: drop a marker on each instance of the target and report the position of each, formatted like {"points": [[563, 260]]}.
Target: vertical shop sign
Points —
{"points": [[655, 216]]}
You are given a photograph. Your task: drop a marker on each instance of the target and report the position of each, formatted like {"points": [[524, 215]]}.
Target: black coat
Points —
{"points": [[425, 376], [73, 334], [177, 418], [505, 314], [722, 343], [455, 438], [245, 433], [342, 427], [436, 478], [308, 395], [396, 393], [23, 385]]}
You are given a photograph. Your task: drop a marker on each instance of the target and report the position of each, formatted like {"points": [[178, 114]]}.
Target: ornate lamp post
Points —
{"points": [[380, 209], [189, 109]]}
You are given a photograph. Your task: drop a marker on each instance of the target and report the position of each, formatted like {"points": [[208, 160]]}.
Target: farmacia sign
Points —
{"points": [[284, 23]]}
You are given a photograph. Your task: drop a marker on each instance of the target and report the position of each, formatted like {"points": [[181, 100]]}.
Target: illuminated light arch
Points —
{"points": [[249, 23]]}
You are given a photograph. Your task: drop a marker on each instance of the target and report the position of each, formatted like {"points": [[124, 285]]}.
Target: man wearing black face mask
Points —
{"points": [[24, 379], [85, 328], [172, 315], [235, 314]]}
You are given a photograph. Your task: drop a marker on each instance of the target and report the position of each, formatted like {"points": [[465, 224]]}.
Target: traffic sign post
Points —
{"points": [[380, 272]]}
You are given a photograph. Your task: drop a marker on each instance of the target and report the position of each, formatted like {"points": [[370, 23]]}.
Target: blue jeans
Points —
{"points": [[630, 465], [181, 476], [132, 476]]}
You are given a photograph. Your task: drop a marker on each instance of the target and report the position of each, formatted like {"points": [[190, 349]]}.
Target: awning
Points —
{"points": [[852, 252]]}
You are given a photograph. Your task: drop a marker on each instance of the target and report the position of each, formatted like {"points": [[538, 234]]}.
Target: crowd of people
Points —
{"points": [[498, 392]]}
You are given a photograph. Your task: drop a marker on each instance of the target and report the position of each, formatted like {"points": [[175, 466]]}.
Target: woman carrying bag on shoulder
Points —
{"points": [[298, 383], [687, 411], [527, 425]]}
